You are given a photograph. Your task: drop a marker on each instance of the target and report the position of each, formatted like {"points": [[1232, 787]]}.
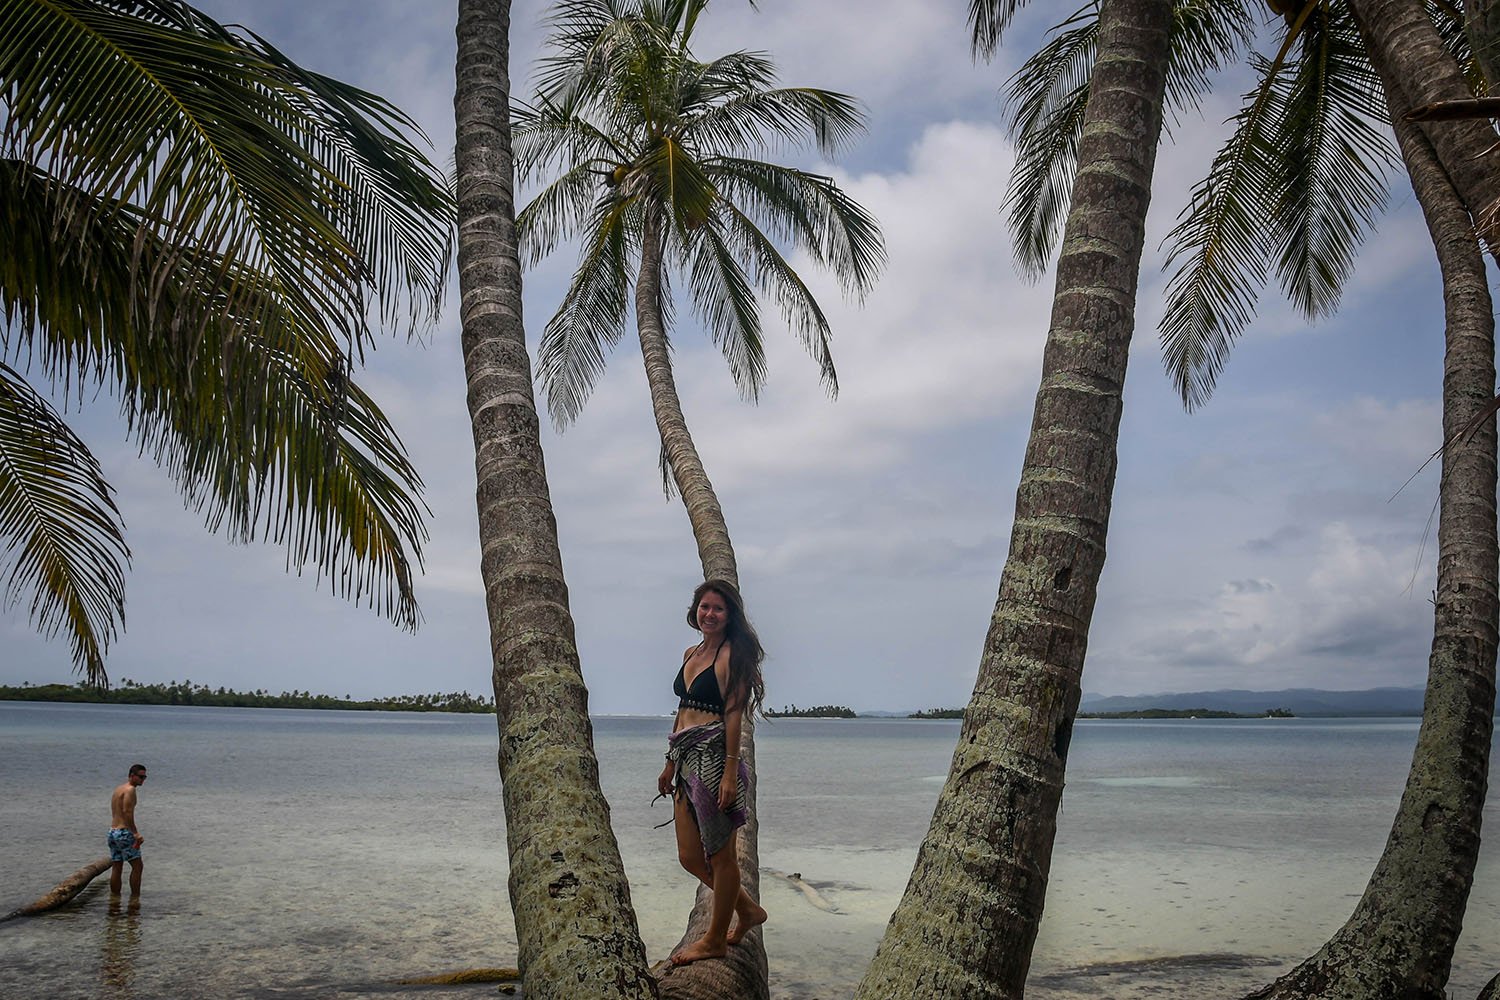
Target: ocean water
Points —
{"points": [[305, 854]]}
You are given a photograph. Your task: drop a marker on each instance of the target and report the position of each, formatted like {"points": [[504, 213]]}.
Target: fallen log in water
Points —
{"points": [[812, 895], [66, 890]]}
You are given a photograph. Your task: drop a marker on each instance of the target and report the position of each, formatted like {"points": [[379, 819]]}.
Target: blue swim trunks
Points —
{"points": [[122, 845]]}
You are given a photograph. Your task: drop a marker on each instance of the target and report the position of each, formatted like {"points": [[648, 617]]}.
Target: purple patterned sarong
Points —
{"points": [[700, 757]]}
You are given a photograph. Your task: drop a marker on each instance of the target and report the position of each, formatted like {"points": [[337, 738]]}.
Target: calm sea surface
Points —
{"points": [[306, 854]]}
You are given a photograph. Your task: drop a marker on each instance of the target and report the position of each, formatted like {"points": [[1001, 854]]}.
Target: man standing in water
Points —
{"points": [[124, 839]]}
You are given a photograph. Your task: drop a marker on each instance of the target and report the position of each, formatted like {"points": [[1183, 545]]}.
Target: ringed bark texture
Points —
{"points": [[576, 929], [966, 925], [1399, 941], [743, 972]]}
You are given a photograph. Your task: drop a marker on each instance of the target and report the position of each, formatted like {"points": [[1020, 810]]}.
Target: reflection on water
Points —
{"points": [[122, 943]]}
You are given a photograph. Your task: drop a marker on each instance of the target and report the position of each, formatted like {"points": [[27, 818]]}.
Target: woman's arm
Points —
{"points": [[664, 781]]}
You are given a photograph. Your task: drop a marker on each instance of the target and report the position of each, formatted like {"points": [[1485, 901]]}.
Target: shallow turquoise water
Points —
{"points": [[311, 854]]}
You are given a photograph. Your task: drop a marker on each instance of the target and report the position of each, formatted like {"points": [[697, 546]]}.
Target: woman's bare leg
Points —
{"points": [[726, 885], [690, 856]]}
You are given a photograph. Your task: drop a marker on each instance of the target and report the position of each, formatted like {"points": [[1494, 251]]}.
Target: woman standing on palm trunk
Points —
{"points": [[718, 683]]}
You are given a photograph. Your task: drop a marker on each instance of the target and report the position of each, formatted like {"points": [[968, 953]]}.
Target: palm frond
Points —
{"points": [[306, 186], [557, 211], [62, 543], [547, 135], [725, 301], [760, 121], [1333, 155], [1207, 35], [809, 209], [778, 280], [988, 20], [1223, 241], [253, 413], [1044, 106], [668, 176], [591, 319], [1297, 186]]}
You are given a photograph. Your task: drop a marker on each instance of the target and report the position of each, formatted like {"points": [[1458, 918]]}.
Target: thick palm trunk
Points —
{"points": [[577, 931], [966, 925], [742, 973], [1399, 941], [1482, 25]]}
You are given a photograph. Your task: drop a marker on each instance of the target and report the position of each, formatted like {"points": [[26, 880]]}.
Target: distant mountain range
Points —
{"points": [[1299, 701]]}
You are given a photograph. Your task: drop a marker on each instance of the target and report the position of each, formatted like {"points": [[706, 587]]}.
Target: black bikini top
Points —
{"points": [[704, 695]]}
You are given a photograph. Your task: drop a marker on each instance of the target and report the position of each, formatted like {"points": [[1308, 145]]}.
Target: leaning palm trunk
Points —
{"points": [[576, 930], [969, 917], [743, 972], [1399, 941]]}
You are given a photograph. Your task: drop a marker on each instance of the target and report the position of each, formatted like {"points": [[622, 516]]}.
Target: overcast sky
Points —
{"points": [[1253, 543]]}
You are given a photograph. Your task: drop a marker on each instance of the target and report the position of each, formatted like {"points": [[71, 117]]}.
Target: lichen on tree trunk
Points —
{"points": [[967, 922], [576, 931], [1400, 938]]}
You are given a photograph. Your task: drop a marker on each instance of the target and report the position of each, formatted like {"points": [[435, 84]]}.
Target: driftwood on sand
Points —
{"points": [[66, 890], [465, 977]]}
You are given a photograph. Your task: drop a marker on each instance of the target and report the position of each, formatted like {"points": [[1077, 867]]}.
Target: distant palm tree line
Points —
{"points": [[128, 692]]}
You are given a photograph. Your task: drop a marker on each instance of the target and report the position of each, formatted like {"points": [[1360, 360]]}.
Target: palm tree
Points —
{"points": [[577, 932], [654, 152], [1298, 185], [967, 921], [198, 227]]}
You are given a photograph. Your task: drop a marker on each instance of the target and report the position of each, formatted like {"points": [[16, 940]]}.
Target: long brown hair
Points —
{"points": [[745, 650]]}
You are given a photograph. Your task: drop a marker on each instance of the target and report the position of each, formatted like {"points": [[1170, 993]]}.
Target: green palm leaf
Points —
{"points": [[591, 319], [1334, 152], [1297, 187], [64, 539], [988, 20], [199, 227]]}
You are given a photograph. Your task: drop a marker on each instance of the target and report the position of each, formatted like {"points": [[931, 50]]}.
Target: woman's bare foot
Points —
{"points": [[748, 921], [700, 949]]}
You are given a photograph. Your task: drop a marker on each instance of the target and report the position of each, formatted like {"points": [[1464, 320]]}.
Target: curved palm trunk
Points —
{"points": [[703, 510], [968, 920], [1399, 941], [577, 931], [743, 972]]}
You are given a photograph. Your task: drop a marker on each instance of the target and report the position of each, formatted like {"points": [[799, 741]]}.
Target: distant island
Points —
{"points": [[128, 692], [1186, 713], [938, 713], [1141, 713], [816, 712], [1303, 702]]}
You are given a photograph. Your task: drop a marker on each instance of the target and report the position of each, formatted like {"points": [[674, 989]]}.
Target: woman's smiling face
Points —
{"points": [[712, 613]]}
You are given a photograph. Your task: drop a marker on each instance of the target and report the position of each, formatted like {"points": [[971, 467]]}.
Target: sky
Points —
{"points": [[1254, 543]]}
